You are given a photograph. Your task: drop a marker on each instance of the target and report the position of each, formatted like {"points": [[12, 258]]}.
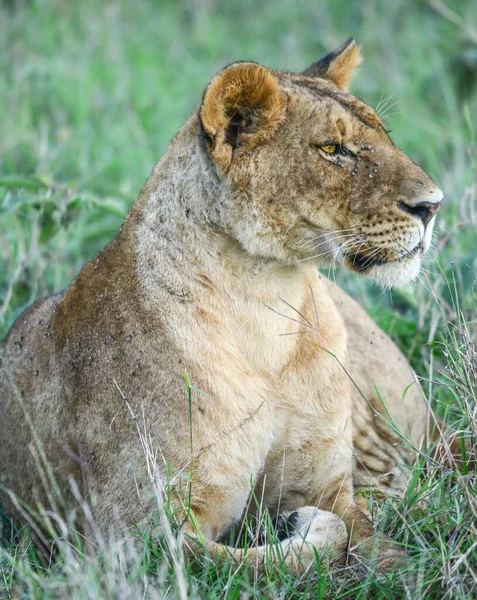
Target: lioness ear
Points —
{"points": [[241, 108], [338, 66]]}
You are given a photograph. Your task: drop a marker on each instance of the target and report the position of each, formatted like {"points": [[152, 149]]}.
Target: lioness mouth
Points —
{"points": [[362, 263]]}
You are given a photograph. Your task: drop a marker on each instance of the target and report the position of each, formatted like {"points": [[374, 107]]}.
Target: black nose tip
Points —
{"points": [[424, 210]]}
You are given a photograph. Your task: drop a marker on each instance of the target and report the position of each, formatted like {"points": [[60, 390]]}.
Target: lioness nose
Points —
{"points": [[425, 209]]}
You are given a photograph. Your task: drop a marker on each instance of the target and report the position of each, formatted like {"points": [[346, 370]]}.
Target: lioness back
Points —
{"points": [[29, 373]]}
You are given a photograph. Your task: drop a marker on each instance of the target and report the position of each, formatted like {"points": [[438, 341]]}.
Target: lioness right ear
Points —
{"points": [[338, 66], [242, 107]]}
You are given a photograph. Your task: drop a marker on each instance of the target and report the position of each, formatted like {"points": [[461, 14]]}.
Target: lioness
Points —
{"points": [[214, 274]]}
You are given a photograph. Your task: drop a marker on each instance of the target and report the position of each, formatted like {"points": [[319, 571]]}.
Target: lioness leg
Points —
{"points": [[340, 500], [322, 477], [361, 534]]}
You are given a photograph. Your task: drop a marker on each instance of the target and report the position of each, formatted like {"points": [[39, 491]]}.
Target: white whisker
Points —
{"points": [[382, 104], [385, 111]]}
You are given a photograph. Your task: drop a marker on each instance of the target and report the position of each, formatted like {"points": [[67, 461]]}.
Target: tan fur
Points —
{"points": [[214, 275]]}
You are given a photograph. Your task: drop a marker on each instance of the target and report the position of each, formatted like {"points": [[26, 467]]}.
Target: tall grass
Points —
{"points": [[91, 93]]}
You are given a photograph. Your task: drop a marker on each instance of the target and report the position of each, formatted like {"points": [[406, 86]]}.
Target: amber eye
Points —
{"points": [[329, 148]]}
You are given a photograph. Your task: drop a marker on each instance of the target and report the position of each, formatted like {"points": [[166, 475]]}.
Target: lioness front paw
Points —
{"points": [[320, 529]]}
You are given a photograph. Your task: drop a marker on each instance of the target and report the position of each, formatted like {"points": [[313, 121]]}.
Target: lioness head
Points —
{"points": [[310, 172]]}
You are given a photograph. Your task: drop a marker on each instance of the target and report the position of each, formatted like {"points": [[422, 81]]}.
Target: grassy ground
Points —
{"points": [[92, 92]]}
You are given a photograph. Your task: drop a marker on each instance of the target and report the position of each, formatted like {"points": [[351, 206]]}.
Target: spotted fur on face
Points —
{"points": [[313, 174]]}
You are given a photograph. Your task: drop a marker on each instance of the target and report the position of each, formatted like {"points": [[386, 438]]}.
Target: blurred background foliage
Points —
{"points": [[92, 93]]}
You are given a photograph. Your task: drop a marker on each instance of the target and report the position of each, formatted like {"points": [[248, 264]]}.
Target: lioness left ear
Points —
{"points": [[338, 66], [241, 108]]}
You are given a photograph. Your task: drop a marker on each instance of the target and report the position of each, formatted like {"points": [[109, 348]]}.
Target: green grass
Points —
{"points": [[92, 92]]}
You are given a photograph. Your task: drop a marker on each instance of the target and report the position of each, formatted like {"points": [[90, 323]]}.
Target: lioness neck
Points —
{"points": [[181, 234]]}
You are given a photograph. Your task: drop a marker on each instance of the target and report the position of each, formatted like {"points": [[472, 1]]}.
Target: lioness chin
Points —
{"points": [[214, 274]]}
